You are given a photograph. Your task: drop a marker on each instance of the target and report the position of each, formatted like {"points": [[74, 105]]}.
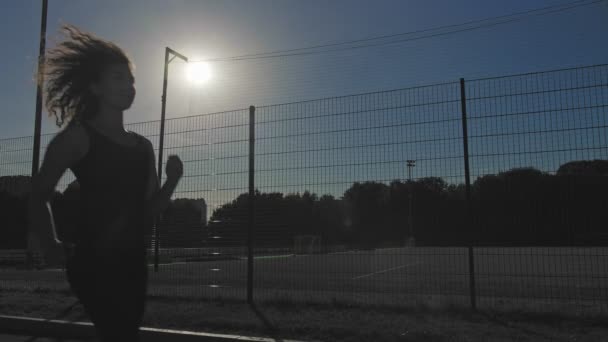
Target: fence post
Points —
{"points": [[467, 176], [251, 203]]}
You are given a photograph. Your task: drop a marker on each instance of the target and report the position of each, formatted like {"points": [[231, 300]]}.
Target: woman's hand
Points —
{"points": [[52, 250], [159, 199], [174, 168]]}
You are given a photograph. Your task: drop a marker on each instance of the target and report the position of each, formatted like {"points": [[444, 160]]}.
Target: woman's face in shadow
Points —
{"points": [[115, 87]]}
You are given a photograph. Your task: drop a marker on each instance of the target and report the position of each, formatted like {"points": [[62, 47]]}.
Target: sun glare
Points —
{"points": [[198, 72]]}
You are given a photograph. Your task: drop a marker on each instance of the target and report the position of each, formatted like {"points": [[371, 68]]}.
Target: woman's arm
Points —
{"points": [[66, 148], [158, 199]]}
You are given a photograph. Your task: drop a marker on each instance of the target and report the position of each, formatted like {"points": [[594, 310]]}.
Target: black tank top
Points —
{"points": [[113, 180]]}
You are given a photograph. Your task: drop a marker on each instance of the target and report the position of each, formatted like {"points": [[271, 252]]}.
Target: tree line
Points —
{"points": [[518, 207]]}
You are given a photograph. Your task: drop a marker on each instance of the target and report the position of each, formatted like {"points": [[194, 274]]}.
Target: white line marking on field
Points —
{"points": [[54, 269], [346, 252], [387, 270], [390, 248], [172, 263]]}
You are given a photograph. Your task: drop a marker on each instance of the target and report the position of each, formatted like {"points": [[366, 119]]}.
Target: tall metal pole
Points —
{"points": [[39, 83], [160, 145], [38, 114], [251, 205], [467, 178]]}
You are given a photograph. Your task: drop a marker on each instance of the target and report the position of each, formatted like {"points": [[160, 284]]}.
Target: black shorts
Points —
{"points": [[112, 288]]}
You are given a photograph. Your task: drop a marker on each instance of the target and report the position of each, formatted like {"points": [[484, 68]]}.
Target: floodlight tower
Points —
{"points": [[168, 52]]}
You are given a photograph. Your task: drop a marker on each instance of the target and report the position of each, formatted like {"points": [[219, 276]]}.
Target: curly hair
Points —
{"points": [[71, 67]]}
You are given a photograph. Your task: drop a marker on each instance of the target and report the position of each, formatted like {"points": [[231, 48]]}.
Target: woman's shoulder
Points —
{"points": [[75, 133], [142, 139], [76, 127], [67, 147]]}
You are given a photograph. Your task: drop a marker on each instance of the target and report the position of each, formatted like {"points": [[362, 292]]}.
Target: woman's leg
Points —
{"points": [[79, 272], [113, 294]]}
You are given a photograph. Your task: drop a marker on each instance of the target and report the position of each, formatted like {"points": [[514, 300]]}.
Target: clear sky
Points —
{"points": [[209, 29], [220, 29]]}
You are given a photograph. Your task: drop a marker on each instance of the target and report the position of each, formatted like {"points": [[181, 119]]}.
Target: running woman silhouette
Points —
{"points": [[89, 84]]}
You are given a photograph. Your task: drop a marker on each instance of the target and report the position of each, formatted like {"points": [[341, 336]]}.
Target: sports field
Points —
{"points": [[537, 279]]}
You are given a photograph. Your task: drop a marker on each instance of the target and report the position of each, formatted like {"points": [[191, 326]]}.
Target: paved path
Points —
{"points": [[19, 338]]}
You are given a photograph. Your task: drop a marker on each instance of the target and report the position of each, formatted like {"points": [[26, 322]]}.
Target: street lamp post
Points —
{"points": [[411, 240], [168, 52], [38, 115]]}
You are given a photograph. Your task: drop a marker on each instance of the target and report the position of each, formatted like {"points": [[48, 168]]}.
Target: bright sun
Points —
{"points": [[198, 72]]}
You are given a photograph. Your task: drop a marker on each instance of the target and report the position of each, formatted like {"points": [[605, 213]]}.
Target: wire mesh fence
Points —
{"points": [[335, 169], [362, 198], [538, 149]]}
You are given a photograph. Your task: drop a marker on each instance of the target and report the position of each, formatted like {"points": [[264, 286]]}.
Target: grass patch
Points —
{"points": [[334, 320]]}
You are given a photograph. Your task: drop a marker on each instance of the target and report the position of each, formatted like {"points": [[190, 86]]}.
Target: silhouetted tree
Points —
{"points": [[595, 167], [368, 205]]}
